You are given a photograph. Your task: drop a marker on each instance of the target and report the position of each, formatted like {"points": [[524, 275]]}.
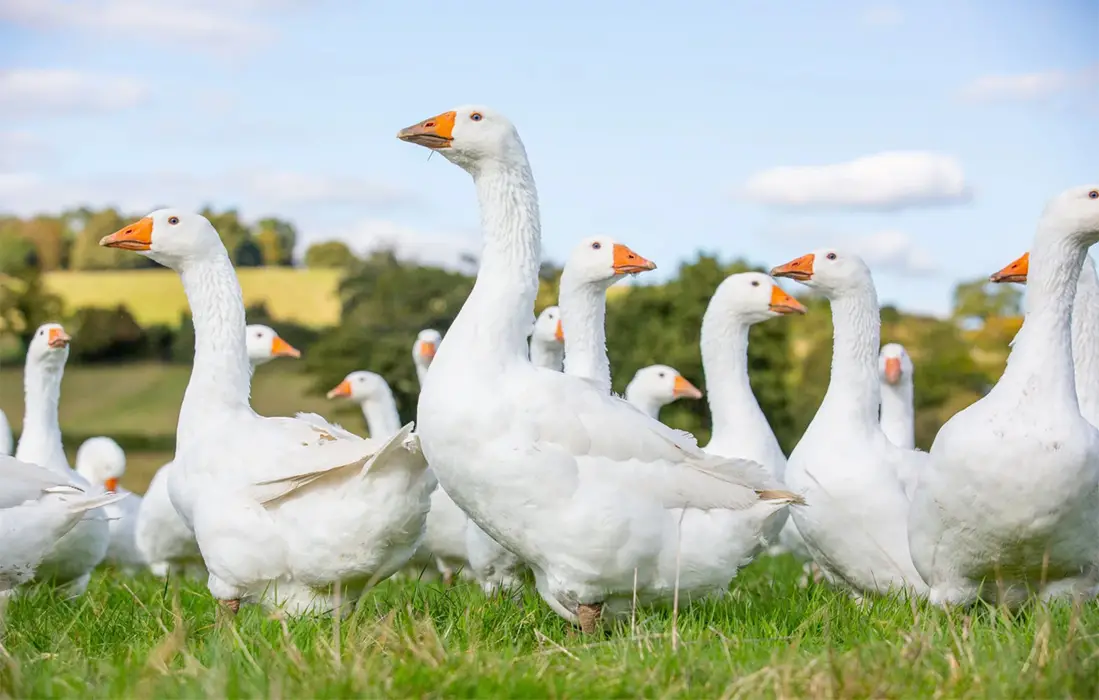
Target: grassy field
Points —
{"points": [[769, 638], [306, 297], [143, 400]]}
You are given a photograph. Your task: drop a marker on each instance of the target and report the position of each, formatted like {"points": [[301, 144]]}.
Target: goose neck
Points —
{"points": [[854, 389], [382, 419], [897, 418], [548, 355], [40, 440], [724, 344], [221, 375], [644, 401], [1085, 336], [583, 321]]}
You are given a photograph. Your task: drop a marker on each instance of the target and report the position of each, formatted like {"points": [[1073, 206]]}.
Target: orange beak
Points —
{"points": [[800, 269], [342, 389], [281, 348], [783, 303], [427, 350], [892, 369], [1015, 272], [683, 389], [627, 262], [559, 332], [111, 484], [136, 236], [57, 338], [434, 133]]}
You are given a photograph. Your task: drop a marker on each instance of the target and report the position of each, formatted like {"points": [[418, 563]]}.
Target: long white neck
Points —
{"points": [[382, 419], [1085, 337], [5, 435], [583, 321], [897, 416], [492, 325], [736, 414], [1041, 357], [421, 372], [643, 400], [854, 391], [222, 373], [548, 355], [40, 441]]}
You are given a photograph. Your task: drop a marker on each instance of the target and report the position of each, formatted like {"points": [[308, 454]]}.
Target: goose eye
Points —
{"points": [[476, 116], [173, 220], [1094, 194], [596, 245], [661, 375], [755, 283], [831, 256]]}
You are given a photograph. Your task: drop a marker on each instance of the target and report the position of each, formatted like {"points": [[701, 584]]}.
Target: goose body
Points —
{"points": [[102, 462], [283, 509], [598, 498], [855, 525], [1008, 505], [73, 557], [162, 538]]}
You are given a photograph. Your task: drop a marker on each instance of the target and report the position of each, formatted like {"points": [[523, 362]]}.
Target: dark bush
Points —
{"points": [[106, 335]]}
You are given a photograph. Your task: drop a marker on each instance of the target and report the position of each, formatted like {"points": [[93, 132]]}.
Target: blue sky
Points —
{"points": [[672, 127]]}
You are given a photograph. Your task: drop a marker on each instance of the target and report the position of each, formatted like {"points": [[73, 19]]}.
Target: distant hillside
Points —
{"points": [[307, 297]]}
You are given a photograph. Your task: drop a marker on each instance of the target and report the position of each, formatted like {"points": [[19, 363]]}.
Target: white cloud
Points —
{"points": [[299, 188], [19, 147], [884, 181], [208, 25], [892, 251], [451, 250], [882, 14], [1038, 86], [54, 91]]}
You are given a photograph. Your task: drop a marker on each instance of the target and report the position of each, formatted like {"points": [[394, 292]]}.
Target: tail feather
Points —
{"points": [[780, 495], [93, 502]]}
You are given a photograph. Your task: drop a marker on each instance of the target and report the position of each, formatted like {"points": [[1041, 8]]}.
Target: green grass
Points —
{"points": [[768, 638], [305, 297]]}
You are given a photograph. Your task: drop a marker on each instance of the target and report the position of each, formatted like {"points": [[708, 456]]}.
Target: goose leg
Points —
{"points": [[589, 614]]}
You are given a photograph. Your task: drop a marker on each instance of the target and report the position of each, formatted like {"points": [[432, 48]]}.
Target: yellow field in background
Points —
{"points": [[307, 297]]}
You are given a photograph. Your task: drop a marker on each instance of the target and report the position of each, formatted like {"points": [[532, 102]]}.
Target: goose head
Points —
{"points": [[1074, 214], [49, 347], [425, 347], [264, 344], [833, 272], [468, 136], [101, 461], [663, 384], [894, 364], [171, 237], [601, 261], [547, 327], [753, 297], [1015, 271], [360, 387]]}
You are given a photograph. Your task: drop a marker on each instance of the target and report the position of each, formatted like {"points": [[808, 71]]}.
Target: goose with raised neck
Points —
{"points": [[423, 351], [654, 387], [1085, 330], [856, 520], [898, 418], [740, 429], [73, 557], [599, 499], [371, 391], [547, 348], [283, 509], [102, 462], [1008, 505], [163, 539]]}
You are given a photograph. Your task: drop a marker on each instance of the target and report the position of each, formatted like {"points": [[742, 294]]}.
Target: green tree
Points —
{"points": [[25, 303], [329, 254], [982, 299], [88, 228], [276, 239]]}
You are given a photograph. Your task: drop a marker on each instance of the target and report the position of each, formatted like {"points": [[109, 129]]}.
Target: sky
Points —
{"points": [[925, 136]]}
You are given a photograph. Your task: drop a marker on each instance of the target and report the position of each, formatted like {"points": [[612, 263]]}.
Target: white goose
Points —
{"points": [[1085, 330], [898, 418], [283, 509], [70, 563], [597, 497], [855, 523], [445, 532], [654, 387], [38, 507], [102, 462], [547, 347], [739, 427], [6, 443], [163, 540], [423, 351], [1009, 501]]}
